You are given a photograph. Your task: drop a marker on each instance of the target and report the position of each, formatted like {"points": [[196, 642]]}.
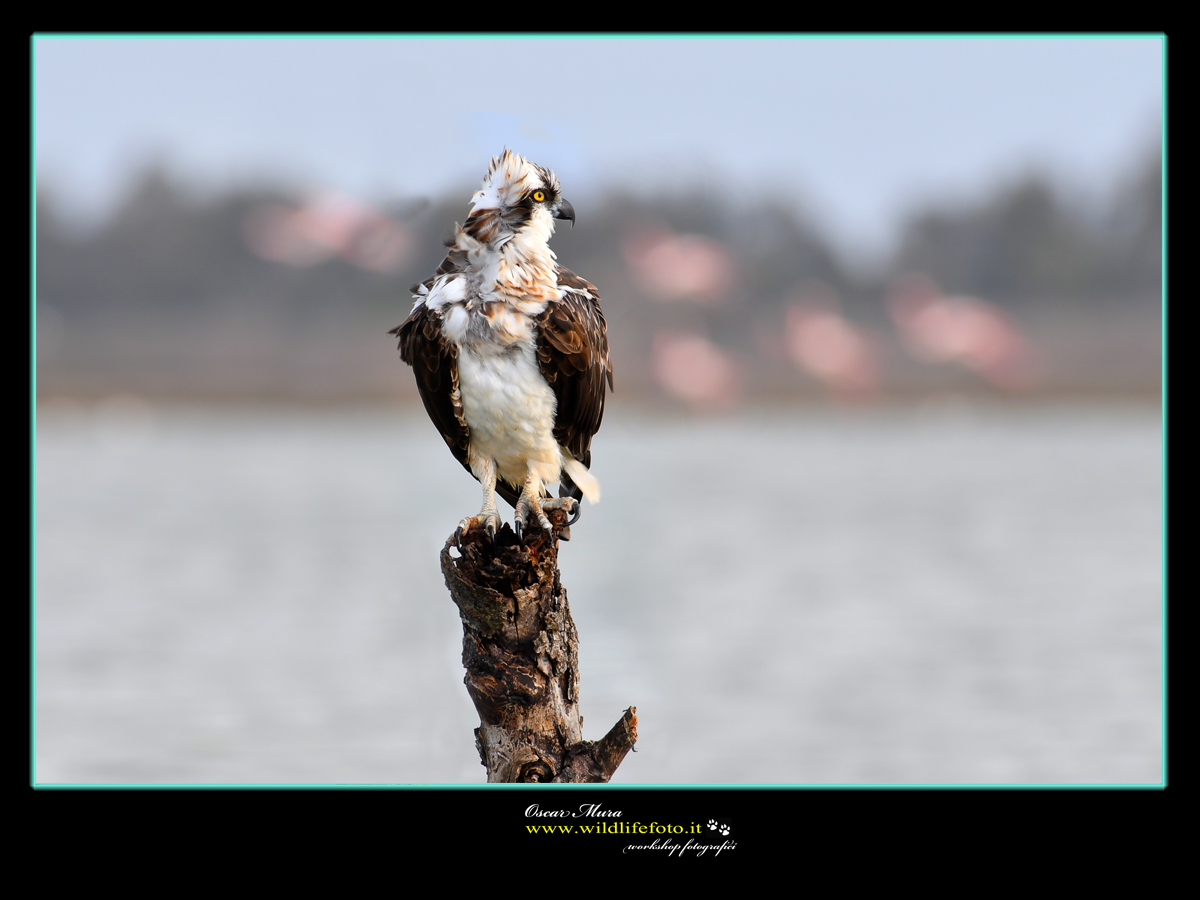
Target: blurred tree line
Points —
{"points": [[1025, 244], [170, 283]]}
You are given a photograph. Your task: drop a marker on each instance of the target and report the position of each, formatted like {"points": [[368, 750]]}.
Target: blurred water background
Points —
{"points": [[882, 502], [930, 593]]}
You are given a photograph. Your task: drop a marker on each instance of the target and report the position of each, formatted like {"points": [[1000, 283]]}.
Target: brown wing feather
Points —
{"points": [[435, 364], [572, 352]]}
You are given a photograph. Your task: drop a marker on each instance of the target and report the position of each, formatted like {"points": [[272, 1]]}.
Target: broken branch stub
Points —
{"points": [[521, 653]]}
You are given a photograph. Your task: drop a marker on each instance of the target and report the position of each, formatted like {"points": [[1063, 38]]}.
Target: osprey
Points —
{"points": [[510, 350]]}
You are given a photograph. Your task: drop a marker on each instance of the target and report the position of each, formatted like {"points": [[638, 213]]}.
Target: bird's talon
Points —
{"points": [[488, 521], [578, 512]]}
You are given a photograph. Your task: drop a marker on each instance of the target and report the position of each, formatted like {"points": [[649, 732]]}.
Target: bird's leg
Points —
{"points": [[531, 501], [489, 517]]}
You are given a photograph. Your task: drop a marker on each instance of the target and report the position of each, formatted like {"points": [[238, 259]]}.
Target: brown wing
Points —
{"points": [[435, 364], [572, 349]]}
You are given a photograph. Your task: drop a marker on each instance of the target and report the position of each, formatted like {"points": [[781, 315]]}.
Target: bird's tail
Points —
{"points": [[584, 480]]}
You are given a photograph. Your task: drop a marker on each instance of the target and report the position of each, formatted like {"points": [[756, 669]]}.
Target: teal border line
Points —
{"points": [[599, 35], [1164, 408], [33, 412], [617, 788], [620, 787]]}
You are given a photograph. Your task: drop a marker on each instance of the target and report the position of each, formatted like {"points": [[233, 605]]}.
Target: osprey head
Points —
{"points": [[518, 196]]}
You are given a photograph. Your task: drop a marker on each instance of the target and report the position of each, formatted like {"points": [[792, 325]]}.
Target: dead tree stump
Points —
{"points": [[521, 653]]}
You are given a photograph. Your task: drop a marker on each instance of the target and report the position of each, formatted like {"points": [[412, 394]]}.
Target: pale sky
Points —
{"points": [[858, 131]]}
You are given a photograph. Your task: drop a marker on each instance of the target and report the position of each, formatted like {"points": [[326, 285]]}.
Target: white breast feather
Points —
{"points": [[510, 411]]}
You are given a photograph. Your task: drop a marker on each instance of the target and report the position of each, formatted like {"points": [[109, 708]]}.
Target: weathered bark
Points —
{"points": [[521, 653]]}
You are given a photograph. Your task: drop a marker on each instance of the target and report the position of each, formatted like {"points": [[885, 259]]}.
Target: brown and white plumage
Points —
{"points": [[510, 349]]}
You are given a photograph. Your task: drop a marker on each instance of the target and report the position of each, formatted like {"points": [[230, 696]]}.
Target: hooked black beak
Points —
{"points": [[565, 211]]}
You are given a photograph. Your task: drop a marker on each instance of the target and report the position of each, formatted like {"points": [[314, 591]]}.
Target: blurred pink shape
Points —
{"points": [[827, 346], [329, 224], [936, 328], [678, 266], [694, 369]]}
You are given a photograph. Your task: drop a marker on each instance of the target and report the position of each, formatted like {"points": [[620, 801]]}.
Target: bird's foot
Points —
{"points": [[488, 520], [530, 507], [568, 505]]}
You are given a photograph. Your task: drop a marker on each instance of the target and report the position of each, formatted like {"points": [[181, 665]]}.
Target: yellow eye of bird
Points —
{"points": [[539, 196]]}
